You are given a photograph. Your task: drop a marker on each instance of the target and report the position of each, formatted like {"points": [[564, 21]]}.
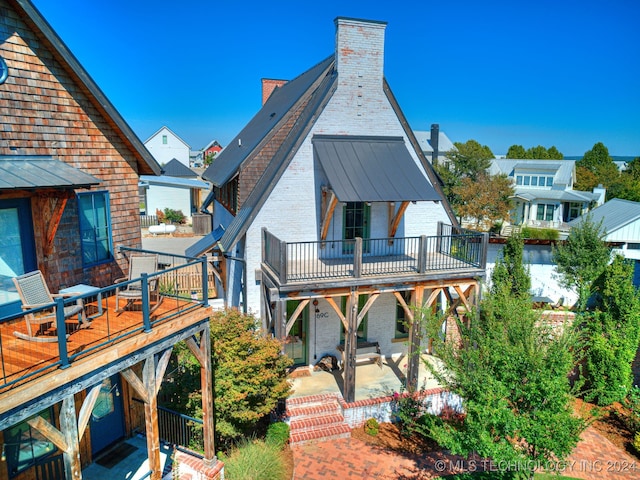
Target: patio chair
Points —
{"points": [[139, 264], [34, 293]]}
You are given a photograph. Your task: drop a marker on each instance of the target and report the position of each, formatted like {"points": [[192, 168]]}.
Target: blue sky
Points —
{"points": [[563, 73]]}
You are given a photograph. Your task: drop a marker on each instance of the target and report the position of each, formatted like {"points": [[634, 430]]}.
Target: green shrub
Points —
{"points": [[539, 233], [174, 216], [255, 460], [371, 427], [277, 434]]}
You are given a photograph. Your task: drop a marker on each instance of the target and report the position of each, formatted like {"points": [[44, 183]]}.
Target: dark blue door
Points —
{"points": [[107, 419], [17, 250]]}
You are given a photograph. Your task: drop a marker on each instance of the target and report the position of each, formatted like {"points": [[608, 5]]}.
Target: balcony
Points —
{"points": [[64, 352], [453, 253]]}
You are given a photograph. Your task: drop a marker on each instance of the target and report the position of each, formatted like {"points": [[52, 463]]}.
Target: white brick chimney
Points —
{"points": [[360, 55]]}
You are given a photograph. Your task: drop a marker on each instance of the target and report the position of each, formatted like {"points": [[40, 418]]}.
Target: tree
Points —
{"points": [[538, 152], [516, 152], [512, 375], [600, 164], [582, 258], [249, 374], [510, 276], [554, 153], [486, 199], [469, 160], [612, 334]]}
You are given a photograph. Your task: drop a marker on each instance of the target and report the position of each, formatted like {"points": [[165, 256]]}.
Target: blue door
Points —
{"points": [[107, 419], [17, 250]]}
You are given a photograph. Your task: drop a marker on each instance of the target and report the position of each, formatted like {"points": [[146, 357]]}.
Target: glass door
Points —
{"points": [[357, 218], [17, 250], [295, 345]]}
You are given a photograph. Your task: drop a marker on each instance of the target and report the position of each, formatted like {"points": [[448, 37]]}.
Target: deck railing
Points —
{"points": [[453, 248], [183, 285]]}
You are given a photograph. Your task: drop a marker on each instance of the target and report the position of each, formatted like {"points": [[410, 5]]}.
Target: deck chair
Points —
{"points": [[34, 293], [139, 264]]}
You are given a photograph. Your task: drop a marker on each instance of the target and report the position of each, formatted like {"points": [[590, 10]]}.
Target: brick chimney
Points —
{"points": [[360, 55], [268, 86]]}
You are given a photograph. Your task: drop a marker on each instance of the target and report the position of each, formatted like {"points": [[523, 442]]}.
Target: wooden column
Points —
{"points": [[69, 427], [279, 319], [202, 352], [350, 345], [414, 339]]}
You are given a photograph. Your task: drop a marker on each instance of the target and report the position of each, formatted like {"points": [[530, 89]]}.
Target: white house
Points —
{"points": [[544, 194], [338, 222], [165, 145]]}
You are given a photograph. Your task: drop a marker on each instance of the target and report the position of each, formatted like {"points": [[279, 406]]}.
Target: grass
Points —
{"points": [[255, 460]]}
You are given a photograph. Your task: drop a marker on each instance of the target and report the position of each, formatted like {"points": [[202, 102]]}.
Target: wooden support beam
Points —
{"points": [[366, 307], [69, 427], [329, 202], [338, 311], [151, 418], [195, 347], [394, 221], [301, 306], [408, 312], [86, 409], [414, 339], [49, 432], [133, 380], [351, 344], [208, 407], [162, 367]]}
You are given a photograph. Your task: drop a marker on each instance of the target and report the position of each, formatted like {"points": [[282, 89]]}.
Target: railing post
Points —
{"points": [[283, 263], [357, 258], [483, 253], [263, 247], [205, 282], [146, 315], [422, 254], [62, 333]]}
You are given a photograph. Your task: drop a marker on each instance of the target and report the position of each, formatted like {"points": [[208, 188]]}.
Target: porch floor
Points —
{"points": [[371, 380]]}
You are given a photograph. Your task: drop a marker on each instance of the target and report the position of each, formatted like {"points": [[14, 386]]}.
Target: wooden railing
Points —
{"points": [[453, 248], [183, 285]]}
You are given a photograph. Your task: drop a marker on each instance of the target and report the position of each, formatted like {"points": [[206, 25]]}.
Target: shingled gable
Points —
{"points": [[146, 164]]}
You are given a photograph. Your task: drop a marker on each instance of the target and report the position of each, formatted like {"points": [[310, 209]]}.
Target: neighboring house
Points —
{"points": [[165, 145], [213, 148], [435, 144], [337, 222], [544, 194], [621, 224], [69, 170], [178, 188]]}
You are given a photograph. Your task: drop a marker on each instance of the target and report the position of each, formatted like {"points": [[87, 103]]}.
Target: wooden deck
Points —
{"points": [[25, 360]]}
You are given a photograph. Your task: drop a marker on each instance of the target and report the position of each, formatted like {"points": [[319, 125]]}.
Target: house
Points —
{"points": [[165, 145], [69, 171], [212, 149], [435, 144], [177, 188], [544, 194], [336, 224], [621, 224]]}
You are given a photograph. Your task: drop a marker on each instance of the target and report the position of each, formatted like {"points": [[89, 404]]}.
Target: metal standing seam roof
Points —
{"points": [[30, 172], [175, 168], [371, 169], [614, 214], [542, 194], [168, 181], [205, 244], [227, 162]]}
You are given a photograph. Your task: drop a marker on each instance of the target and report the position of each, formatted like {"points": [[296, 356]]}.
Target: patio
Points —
{"points": [[371, 380]]}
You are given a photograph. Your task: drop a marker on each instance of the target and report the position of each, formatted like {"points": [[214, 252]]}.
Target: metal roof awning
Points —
{"points": [[371, 169], [31, 172], [206, 243]]}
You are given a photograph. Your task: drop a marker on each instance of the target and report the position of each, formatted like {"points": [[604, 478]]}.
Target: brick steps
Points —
{"points": [[316, 418]]}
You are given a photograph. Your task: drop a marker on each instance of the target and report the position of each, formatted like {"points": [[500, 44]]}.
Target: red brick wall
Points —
{"points": [[44, 111]]}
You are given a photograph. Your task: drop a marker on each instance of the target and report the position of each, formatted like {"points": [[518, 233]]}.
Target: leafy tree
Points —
{"points": [[633, 169], [612, 334], [600, 164], [554, 153], [516, 152], [485, 199], [538, 152], [510, 276], [470, 160], [582, 258], [249, 373], [512, 374]]}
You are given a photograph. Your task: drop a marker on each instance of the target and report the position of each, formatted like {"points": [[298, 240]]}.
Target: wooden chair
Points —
{"points": [[34, 293], [139, 264]]}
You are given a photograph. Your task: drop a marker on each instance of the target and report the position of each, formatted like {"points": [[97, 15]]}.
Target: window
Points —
{"points": [[402, 322], [164, 139], [527, 180], [24, 445], [574, 210], [545, 212], [549, 181], [95, 227], [362, 328], [4, 71], [356, 217], [534, 181]]}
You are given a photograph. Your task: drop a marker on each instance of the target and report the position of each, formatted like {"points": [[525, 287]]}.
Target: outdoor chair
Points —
{"points": [[34, 293], [132, 292]]}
